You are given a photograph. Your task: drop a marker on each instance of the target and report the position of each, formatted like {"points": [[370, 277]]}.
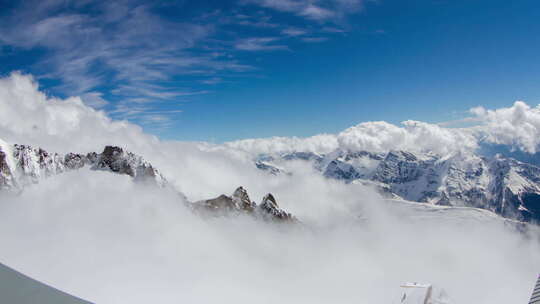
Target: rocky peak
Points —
{"points": [[119, 161], [241, 199], [29, 165], [269, 206], [114, 159], [240, 202]]}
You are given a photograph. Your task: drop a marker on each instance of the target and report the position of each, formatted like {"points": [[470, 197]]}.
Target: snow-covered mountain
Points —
{"points": [[503, 185], [22, 165]]}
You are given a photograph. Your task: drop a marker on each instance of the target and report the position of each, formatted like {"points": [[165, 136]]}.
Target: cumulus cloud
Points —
{"points": [[517, 126], [28, 116], [377, 136], [413, 136], [322, 143]]}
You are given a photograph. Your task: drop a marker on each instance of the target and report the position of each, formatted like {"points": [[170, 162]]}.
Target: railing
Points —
{"points": [[535, 298]]}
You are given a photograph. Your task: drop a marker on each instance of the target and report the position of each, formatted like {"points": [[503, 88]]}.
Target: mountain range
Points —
{"points": [[22, 166], [503, 185]]}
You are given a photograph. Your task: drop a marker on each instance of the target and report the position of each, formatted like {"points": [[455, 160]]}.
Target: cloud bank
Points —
{"points": [[59, 124], [101, 237], [517, 126], [29, 116]]}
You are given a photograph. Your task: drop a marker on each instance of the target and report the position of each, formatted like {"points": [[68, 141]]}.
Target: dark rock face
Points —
{"points": [[240, 203], [5, 172], [269, 207], [114, 159], [119, 161]]}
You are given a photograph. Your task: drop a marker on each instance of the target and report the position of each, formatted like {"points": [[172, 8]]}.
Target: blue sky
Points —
{"points": [[225, 70]]}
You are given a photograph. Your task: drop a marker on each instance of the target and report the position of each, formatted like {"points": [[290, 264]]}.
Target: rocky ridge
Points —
{"points": [[22, 166], [239, 202]]}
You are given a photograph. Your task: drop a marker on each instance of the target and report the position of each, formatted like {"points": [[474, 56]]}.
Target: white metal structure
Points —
{"points": [[535, 298], [415, 293]]}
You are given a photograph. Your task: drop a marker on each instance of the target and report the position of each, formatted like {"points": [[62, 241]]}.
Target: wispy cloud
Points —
{"points": [[292, 31], [259, 44], [314, 39], [129, 51], [94, 100], [318, 10]]}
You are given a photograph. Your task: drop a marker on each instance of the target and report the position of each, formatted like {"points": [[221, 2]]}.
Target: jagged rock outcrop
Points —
{"points": [[22, 165], [119, 161], [240, 203], [503, 185], [241, 200], [270, 208]]}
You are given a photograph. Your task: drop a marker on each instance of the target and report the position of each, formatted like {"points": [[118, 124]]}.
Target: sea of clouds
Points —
{"points": [[101, 237]]}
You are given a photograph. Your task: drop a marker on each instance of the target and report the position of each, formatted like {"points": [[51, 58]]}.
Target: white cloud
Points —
{"points": [[314, 39], [69, 124], [322, 143], [140, 245], [518, 125], [259, 44], [316, 10], [88, 44], [377, 136], [291, 31], [28, 116], [413, 136], [94, 100]]}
